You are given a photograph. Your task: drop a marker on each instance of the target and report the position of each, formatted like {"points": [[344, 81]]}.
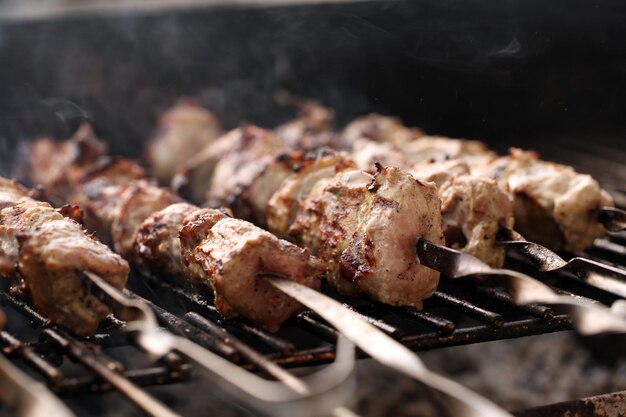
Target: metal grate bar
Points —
{"points": [[494, 319], [14, 346], [182, 328], [443, 325], [501, 296]]}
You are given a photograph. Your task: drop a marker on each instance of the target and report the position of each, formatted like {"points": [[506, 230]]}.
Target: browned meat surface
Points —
{"points": [[137, 201], [193, 178], [11, 192], [50, 252], [366, 227], [437, 149], [15, 219], [157, 245], [182, 131], [311, 129], [59, 166], [99, 196], [384, 129], [554, 205], [228, 255], [245, 179], [367, 153], [439, 172], [287, 200], [473, 211]]}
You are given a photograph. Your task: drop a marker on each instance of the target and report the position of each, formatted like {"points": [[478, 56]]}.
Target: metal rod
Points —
{"points": [[325, 332], [589, 318], [444, 326], [26, 396], [28, 354], [612, 218], [543, 259], [202, 304], [139, 397], [182, 328], [276, 343], [249, 354], [494, 319], [501, 296], [144, 377], [458, 399], [385, 327]]}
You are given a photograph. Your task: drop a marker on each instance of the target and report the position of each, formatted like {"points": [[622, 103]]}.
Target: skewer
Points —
{"points": [[593, 273], [27, 353], [96, 364], [26, 396], [280, 399], [613, 219], [249, 354], [78, 352], [457, 399], [589, 319]]}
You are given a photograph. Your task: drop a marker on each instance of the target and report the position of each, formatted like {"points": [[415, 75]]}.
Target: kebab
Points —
{"points": [[117, 197], [43, 253], [374, 256], [206, 177], [553, 205]]}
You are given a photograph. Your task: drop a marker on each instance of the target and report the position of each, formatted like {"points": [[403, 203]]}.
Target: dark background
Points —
{"points": [[505, 72]]}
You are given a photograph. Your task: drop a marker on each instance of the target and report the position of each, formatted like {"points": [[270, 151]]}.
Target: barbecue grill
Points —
{"points": [[502, 73]]}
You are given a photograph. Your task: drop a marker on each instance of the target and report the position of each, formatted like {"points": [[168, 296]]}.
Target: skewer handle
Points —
{"points": [[458, 400], [589, 318], [613, 219]]}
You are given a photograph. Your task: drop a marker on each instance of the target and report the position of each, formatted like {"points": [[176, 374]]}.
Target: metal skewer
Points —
{"points": [[613, 219], [589, 318], [321, 393], [27, 397], [457, 400], [593, 273]]}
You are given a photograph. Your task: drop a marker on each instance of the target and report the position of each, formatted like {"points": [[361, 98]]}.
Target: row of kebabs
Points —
{"points": [[363, 225], [550, 203]]}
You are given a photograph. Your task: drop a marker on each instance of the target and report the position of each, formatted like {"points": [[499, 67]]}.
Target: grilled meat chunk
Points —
{"points": [[245, 179], [11, 193], [367, 153], [182, 131], [439, 172], [98, 196], [229, 255], [437, 149], [13, 220], [311, 129], [473, 211], [137, 201], [288, 199], [554, 205], [193, 178], [366, 228], [157, 245], [59, 166], [384, 129], [51, 252]]}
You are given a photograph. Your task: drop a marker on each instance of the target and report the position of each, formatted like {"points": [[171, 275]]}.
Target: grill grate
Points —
{"points": [[459, 313]]}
